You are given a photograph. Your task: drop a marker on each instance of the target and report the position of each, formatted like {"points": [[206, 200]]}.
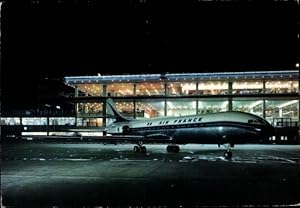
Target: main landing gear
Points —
{"points": [[228, 153], [173, 148], [140, 148]]}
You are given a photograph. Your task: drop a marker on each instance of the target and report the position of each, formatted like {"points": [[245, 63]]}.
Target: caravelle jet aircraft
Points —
{"points": [[224, 128]]}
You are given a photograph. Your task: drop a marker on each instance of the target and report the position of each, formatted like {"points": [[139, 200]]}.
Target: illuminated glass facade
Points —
{"points": [[212, 105], [247, 87], [269, 94], [179, 88], [150, 108], [249, 105], [38, 121], [120, 89], [282, 109], [181, 107], [88, 89]]}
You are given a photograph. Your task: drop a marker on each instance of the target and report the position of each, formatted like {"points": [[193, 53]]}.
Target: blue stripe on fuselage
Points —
{"points": [[202, 124]]}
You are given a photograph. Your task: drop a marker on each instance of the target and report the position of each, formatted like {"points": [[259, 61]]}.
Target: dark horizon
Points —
{"points": [[51, 40]]}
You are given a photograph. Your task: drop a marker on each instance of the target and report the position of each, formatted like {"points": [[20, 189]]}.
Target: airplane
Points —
{"points": [[223, 128]]}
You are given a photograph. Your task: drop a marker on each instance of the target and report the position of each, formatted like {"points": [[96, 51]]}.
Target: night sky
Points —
{"points": [[80, 38]]}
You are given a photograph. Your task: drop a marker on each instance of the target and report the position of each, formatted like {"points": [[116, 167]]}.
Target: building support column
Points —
{"points": [[229, 103], [229, 98], [264, 108], [76, 104], [197, 101], [229, 88], [48, 127], [166, 89], [134, 101], [165, 101], [165, 107], [134, 89], [134, 109], [104, 118], [104, 115], [21, 124], [104, 92]]}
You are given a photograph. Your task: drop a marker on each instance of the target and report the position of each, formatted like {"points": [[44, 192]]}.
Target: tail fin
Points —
{"points": [[112, 110]]}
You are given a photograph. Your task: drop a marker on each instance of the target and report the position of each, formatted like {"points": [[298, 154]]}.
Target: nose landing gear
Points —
{"points": [[173, 148], [228, 153]]}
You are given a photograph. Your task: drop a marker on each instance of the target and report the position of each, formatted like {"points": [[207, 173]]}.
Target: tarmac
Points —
{"points": [[82, 174]]}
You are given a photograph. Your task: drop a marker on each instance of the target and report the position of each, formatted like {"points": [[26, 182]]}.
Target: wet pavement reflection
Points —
{"points": [[114, 175]]}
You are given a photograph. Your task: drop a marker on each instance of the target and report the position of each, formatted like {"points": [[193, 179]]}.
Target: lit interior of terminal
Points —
{"points": [[269, 94]]}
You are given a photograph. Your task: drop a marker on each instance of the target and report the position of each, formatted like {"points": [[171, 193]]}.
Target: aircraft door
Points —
{"points": [[125, 129]]}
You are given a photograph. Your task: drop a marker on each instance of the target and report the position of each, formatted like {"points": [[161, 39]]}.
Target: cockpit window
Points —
{"points": [[255, 121]]}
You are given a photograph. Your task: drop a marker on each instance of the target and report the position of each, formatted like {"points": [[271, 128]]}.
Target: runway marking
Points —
{"points": [[40, 159], [184, 159], [64, 177], [238, 159], [126, 160], [75, 159], [276, 159], [61, 159]]}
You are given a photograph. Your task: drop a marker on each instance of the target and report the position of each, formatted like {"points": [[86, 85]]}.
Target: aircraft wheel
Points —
{"points": [[176, 149], [143, 149], [172, 148], [169, 148], [136, 148], [228, 155]]}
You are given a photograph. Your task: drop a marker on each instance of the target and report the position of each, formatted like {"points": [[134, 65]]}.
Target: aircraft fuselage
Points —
{"points": [[216, 128]]}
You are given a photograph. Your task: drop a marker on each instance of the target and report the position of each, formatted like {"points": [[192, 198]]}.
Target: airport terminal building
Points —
{"points": [[273, 95]]}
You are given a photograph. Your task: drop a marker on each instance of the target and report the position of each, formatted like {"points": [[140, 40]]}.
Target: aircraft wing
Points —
{"points": [[153, 138]]}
